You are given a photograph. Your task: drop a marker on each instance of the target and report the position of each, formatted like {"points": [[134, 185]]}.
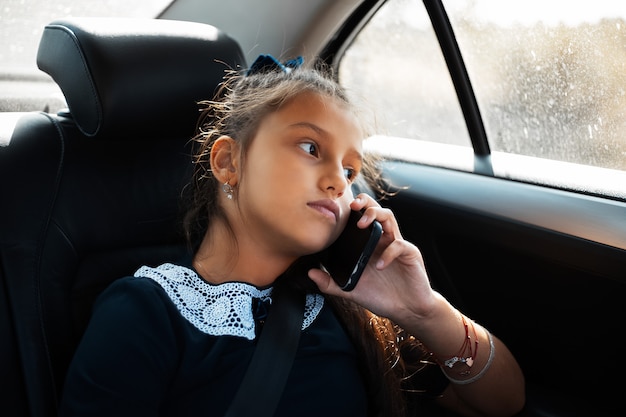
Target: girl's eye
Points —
{"points": [[310, 148], [349, 173]]}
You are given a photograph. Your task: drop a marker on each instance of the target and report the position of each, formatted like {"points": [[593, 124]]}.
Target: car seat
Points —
{"points": [[92, 193]]}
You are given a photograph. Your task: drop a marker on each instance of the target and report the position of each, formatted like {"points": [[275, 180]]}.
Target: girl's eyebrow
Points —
{"points": [[324, 134], [309, 125]]}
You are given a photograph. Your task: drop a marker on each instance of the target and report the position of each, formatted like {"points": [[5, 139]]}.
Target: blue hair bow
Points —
{"points": [[267, 63]]}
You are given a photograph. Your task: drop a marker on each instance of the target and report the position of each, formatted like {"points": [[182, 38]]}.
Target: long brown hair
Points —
{"points": [[239, 107]]}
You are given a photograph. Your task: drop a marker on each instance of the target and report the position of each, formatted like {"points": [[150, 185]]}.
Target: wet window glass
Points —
{"points": [[395, 65], [549, 76]]}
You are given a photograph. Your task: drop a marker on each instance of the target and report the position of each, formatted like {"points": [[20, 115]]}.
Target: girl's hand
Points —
{"points": [[394, 284]]}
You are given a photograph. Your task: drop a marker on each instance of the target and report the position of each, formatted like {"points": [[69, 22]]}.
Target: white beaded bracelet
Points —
{"points": [[492, 354]]}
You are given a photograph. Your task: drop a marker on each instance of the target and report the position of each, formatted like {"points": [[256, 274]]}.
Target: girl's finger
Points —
{"points": [[396, 250], [324, 282], [373, 211], [363, 200]]}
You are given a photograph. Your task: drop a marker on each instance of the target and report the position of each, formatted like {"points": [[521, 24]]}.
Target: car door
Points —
{"points": [[502, 129]]}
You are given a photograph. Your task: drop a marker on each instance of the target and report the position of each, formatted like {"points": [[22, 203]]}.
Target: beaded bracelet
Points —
{"points": [[492, 353]]}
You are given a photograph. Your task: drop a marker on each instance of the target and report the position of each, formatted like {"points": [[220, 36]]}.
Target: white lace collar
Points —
{"points": [[218, 310]]}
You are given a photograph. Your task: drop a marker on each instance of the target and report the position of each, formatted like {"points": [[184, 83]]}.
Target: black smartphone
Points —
{"points": [[347, 257]]}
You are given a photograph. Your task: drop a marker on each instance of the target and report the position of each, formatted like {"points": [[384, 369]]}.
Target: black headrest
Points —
{"points": [[136, 76]]}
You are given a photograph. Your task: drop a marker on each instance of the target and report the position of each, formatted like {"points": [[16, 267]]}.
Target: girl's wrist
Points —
{"points": [[462, 348], [470, 370], [454, 340], [433, 321]]}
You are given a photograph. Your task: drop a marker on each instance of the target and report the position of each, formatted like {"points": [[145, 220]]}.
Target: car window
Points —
{"points": [[23, 22], [549, 78], [23, 87], [396, 65]]}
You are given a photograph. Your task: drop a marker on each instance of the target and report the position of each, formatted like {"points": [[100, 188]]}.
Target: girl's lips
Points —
{"points": [[327, 207]]}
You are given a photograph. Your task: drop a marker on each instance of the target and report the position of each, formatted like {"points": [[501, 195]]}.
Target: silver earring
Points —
{"points": [[228, 190]]}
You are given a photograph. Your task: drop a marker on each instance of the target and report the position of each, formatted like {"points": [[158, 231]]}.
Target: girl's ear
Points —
{"points": [[225, 159]]}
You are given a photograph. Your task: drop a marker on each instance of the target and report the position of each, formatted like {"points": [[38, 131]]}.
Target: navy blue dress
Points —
{"points": [[166, 343]]}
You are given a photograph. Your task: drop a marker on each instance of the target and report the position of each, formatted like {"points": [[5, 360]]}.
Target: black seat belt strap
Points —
{"points": [[266, 376]]}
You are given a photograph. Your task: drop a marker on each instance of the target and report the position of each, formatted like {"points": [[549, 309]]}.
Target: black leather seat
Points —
{"points": [[90, 195]]}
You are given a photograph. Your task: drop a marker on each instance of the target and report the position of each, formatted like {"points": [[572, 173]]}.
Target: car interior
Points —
{"points": [[97, 188], [92, 192]]}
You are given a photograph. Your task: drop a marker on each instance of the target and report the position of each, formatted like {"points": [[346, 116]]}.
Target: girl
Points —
{"points": [[279, 153]]}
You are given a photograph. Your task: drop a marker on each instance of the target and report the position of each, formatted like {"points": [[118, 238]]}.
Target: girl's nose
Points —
{"points": [[335, 180]]}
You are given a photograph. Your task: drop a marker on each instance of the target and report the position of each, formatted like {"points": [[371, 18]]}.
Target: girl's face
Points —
{"points": [[295, 192]]}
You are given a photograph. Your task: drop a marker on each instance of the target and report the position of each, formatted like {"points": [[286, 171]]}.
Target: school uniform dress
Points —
{"points": [[167, 343], [164, 342]]}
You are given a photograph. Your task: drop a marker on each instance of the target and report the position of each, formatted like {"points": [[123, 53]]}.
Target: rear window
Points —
{"points": [[23, 23]]}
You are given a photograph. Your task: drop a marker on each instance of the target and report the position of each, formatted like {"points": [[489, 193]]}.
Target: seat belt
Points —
{"points": [[266, 376]]}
